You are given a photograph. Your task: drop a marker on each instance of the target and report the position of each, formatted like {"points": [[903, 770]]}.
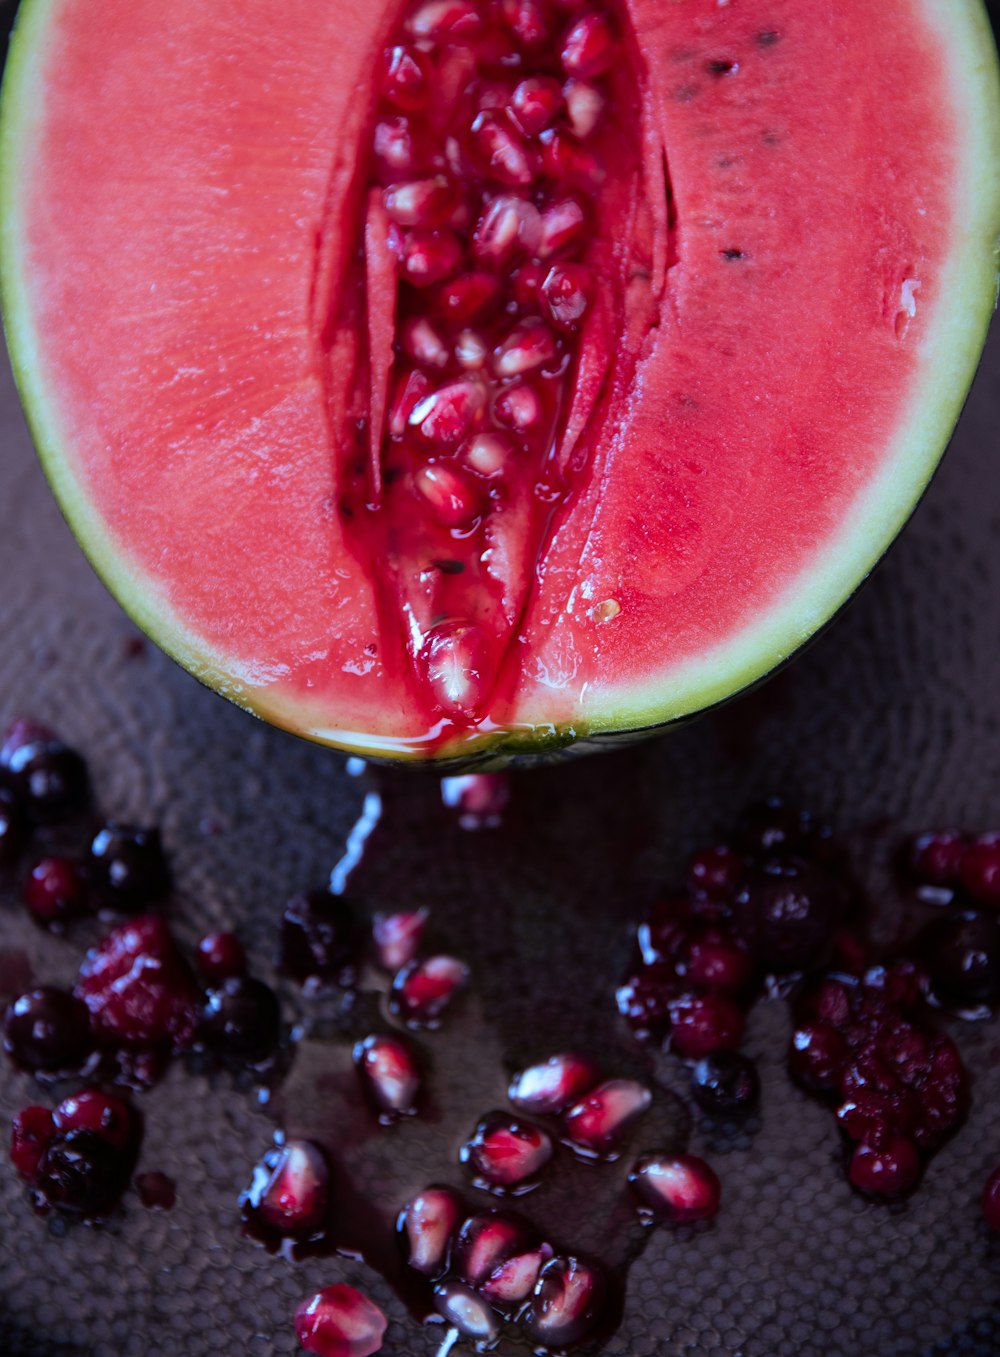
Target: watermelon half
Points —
{"points": [[757, 345]]}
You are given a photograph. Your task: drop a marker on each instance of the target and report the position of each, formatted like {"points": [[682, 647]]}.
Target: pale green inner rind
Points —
{"points": [[966, 298]]}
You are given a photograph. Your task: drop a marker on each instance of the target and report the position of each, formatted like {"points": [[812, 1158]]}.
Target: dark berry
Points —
{"points": [[47, 1029], [81, 1174], [13, 827], [319, 937], [704, 1023], [716, 872], [340, 1322], [726, 1085], [102, 1113], [991, 1201], [289, 1194], [220, 955], [390, 1074], [644, 999], [889, 1171], [427, 1226], [715, 961], [50, 779], [55, 892], [506, 1153], [128, 867], [30, 1133], [818, 1056], [675, 1187], [962, 955], [981, 870], [788, 916], [935, 859], [241, 1019], [138, 987], [568, 1303]]}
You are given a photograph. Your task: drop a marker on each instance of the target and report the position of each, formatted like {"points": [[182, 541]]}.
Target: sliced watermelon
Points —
{"points": [[794, 253]]}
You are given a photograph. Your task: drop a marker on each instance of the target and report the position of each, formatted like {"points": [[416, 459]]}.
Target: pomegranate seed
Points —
{"points": [[388, 1068], [422, 342], [486, 454], [991, 1200], [535, 103], [450, 413], [492, 95], [886, 1172], [515, 1278], [564, 226], [423, 990], [470, 296], [421, 202], [506, 1153], [565, 295], [410, 392], [565, 160], [30, 1134], [486, 1241], [429, 257], [598, 1123], [55, 892], [499, 151], [716, 961], [449, 496], [92, 1110], [471, 350], [398, 937], [449, 19], [936, 858], [676, 1188], [980, 872], [716, 872], [525, 283], [289, 1192], [221, 955], [588, 46], [527, 21], [554, 1084], [472, 1316], [427, 1225], [528, 347], [404, 79], [518, 407], [479, 798], [567, 1304], [508, 224], [585, 105], [704, 1023], [396, 149], [818, 1057], [340, 1322], [457, 665]]}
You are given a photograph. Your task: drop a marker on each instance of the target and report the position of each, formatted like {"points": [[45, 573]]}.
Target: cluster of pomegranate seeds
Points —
{"points": [[898, 1087], [340, 1321], [494, 1275], [493, 131], [77, 1159]]}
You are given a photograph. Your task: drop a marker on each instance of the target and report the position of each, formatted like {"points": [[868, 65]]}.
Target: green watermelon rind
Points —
{"points": [[967, 298]]}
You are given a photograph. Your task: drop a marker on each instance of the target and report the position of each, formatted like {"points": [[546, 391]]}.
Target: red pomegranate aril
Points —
{"points": [[486, 1241], [535, 103], [980, 870], [428, 257], [427, 1226], [391, 1076], [507, 225], [448, 19], [703, 1023], [471, 350], [527, 21], [451, 412], [479, 798], [472, 1316], [566, 161], [505, 1153], [518, 407], [421, 202], [564, 227], [55, 892], [31, 1131], [499, 150], [452, 500], [716, 961], [424, 344], [675, 1187], [991, 1201], [885, 1172], [220, 955], [404, 79], [554, 1084], [525, 283], [340, 1322], [818, 1056], [487, 454], [565, 295], [398, 936], [470, 296], [412, 389], [599, 1122], [585, 107], [936, 858], [102, 1113], [456, 665], [567, 1304], [516, 1278], [290, 1189], [422, 991], [529, 346], [588, 46], [398, 152]]}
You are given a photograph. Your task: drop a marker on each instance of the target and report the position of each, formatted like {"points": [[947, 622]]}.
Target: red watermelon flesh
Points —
{"points": [[789, 249]]}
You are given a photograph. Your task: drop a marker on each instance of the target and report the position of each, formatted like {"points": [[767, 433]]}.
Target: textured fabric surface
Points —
{"points": [[889, 723]]}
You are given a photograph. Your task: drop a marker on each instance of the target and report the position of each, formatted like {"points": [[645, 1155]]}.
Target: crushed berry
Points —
{"points": [[138, 987]]}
